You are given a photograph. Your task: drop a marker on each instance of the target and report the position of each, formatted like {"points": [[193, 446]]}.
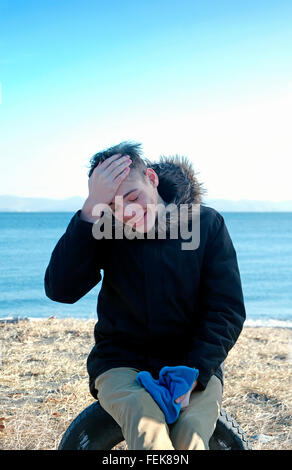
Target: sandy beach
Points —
{"points": [[44, 383]]}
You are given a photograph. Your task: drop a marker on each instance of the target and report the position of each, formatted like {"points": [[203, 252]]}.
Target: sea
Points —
{"points": [[262, 240]]}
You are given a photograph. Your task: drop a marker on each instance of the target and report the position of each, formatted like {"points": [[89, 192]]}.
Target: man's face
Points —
{"points": [[134, 193]]}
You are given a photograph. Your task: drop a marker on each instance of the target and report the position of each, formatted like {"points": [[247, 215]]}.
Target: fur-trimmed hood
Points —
{"points": [[177, 181], [177, 186]]}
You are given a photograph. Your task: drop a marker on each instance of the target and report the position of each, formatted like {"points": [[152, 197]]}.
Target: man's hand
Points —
{"points": [[185, 399], [104, 183]]}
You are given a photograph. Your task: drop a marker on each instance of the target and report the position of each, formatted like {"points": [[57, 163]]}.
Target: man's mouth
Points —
{"points": [[142, 219]]}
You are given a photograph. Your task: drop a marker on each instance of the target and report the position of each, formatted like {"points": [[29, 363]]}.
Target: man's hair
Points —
{"points": [[133, 149]]}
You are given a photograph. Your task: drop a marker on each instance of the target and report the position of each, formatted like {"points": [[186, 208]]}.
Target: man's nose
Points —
{"points": [[131, 212]]}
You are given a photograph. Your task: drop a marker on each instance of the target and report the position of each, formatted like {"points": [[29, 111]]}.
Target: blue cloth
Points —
{"points": [[172, 383]]}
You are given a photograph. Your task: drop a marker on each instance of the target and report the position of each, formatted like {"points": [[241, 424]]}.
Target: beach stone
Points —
{"points": [[263, 438]]}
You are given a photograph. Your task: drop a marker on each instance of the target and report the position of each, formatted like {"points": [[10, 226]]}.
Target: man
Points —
{"points": [[159, 305]]}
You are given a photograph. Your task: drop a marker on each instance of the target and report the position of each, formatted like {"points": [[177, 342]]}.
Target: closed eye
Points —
{"points": [[130, 200]]}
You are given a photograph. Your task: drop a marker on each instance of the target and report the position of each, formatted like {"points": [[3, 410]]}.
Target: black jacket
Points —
{"points": [[158, 304]]}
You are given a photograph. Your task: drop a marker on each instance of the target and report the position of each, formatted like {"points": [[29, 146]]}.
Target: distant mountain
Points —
{"points": [[249, 205], [36, 204], [10, 203]]}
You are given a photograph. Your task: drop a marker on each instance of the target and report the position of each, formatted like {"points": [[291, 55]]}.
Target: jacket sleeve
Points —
{"points": [[75, 263], [221, 302]]}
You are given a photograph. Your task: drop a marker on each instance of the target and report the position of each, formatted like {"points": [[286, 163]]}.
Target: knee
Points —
{"points": [[193, 426], [144, 403], [141, 405], [189, 434]]}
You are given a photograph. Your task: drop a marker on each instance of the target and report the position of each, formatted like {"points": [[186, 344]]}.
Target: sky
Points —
{"points": [[209, 80]]}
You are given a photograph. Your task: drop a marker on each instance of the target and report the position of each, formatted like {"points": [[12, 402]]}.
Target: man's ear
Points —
{"points": [[152, 176]]}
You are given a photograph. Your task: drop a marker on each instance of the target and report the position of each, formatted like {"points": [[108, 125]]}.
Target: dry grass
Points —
{"points": [[44, 382]]}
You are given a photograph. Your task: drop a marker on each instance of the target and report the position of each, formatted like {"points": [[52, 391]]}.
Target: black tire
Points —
{"points": [[228, 435], [95, 429]]}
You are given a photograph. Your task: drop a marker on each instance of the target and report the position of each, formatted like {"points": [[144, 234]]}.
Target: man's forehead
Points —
{"points": [[125, 189], [129, 184]]}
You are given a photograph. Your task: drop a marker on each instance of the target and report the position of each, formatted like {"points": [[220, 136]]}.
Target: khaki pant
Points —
{"points": [[143, 422]]}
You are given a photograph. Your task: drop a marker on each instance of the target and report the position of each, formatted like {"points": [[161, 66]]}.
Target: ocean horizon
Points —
{"points": [[262, 240]]}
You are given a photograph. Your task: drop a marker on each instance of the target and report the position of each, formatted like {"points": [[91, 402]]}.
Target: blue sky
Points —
{"points": [[211, 80]]}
